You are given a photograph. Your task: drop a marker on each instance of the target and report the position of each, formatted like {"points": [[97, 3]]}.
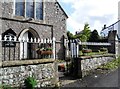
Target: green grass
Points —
{"points": [[111, 65], [91, 53], [60, 61]]}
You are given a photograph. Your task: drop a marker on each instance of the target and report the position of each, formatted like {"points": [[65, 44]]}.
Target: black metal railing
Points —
{"points": [[26, 49]]}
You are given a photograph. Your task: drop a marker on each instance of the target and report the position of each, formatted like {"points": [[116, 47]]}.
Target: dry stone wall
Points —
{"points": [[92, 63], [15, 75]]}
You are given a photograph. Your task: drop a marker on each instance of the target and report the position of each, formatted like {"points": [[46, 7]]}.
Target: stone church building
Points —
{"points": [[34, 18], [23, 22]]}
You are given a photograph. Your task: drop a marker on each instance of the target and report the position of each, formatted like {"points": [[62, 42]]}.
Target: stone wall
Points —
{"points": [[85, 64], [88, 64], [14, 73]]}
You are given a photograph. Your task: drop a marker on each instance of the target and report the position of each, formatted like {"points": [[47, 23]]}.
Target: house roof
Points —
{"points": [[62, 8]]}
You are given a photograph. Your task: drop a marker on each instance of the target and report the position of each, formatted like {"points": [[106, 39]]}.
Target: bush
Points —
{"points": [[30, 83], [103, 49]]}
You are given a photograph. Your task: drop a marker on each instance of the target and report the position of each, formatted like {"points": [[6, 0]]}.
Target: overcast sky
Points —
{"points": [[95, 12]]}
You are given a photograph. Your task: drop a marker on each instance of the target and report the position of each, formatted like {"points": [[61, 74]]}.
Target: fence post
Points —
{"points": [[77, 49], [54, 53], [74, 48], [21, 47]]}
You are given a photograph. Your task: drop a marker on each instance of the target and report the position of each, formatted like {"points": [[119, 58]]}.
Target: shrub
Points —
{"points": [[30, 82], [103, 49], [49, 49]]}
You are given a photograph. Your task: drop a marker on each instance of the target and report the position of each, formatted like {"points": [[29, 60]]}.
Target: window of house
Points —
{"points": [[19, 7], [29, 8], [33, 8], [39, 9]]}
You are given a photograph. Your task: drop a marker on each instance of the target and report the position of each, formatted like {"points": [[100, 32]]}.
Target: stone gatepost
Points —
{"points": [[111, 39]]}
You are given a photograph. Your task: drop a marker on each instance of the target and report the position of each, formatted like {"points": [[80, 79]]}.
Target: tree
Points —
{"points": [[84, 34], [94, 37], [70, 35]]}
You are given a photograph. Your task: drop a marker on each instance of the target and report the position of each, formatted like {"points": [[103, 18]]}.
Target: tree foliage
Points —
{"points": [[70, 35], [94, 37], [84, 34]]}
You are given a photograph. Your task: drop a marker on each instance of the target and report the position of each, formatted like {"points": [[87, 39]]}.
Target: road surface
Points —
{"points": [[95, 80]]}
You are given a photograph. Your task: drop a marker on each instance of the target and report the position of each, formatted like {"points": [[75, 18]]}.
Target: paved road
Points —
{"points": [[96, 80]]}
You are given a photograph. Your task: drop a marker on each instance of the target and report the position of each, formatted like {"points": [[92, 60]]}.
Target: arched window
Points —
{"points": [[9, 33]]}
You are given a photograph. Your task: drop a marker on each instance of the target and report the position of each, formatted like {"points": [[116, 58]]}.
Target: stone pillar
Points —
{"points": [[112, 39], [77, 73]]}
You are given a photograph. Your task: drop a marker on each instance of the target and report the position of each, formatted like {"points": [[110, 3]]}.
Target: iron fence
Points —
{"points": [[26, 48]]}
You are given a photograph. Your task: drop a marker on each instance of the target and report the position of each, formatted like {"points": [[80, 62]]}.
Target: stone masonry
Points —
{"points": [[84, 65], [15, 75], [93, 63], [52, 25]]}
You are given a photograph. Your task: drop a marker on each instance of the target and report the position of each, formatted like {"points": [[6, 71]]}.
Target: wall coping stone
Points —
{"points": [[26, 62], [96, 56]]}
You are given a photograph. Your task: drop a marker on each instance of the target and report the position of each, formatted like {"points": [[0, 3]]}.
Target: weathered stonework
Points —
{"points": [[88, 63], [52, 25], [92, 63], [15, 75]]}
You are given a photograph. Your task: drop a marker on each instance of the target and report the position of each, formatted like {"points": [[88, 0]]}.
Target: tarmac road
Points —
{"points": [[105, 80], [97, 80]]}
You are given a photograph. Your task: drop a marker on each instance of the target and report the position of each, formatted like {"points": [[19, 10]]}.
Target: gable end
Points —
{"points": [[61, 8]]}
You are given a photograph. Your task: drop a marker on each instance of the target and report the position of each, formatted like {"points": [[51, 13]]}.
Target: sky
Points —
{"points": [[94, 12]]}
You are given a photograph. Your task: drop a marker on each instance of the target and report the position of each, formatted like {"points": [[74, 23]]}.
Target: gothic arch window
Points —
{"points": [[7, 34]]}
